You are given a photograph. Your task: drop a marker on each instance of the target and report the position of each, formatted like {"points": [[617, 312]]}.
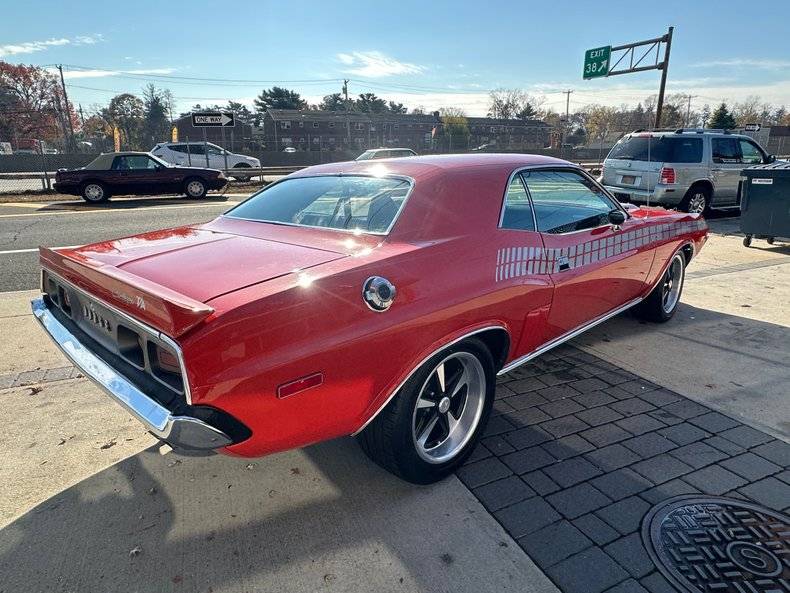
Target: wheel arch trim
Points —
{"points": [[434, 352]]}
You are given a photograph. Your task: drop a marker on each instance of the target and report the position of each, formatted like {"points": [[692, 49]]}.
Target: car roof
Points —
{"points": [[418, 166], [104, 161]]}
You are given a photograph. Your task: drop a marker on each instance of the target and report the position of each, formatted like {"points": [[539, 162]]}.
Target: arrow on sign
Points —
{"points": [[213, 119]]}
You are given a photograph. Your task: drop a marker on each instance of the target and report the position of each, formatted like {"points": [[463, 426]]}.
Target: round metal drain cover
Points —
{"points": [[706, 544]]}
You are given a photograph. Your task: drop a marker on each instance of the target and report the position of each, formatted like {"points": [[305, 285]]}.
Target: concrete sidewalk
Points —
{"points": [[728, 346], [82, 487]]}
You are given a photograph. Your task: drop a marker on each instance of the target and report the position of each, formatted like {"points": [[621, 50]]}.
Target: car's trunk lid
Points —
{"points": [[174, 274], [631, 174]]}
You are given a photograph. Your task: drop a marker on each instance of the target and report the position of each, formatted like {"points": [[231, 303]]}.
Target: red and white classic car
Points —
{"points": [[371, 299]]}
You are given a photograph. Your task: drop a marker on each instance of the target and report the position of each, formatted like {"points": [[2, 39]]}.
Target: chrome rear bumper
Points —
{"points": [[183, 432]]}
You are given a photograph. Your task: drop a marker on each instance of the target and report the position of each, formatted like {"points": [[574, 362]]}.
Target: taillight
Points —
{"points": [[667, 175]]}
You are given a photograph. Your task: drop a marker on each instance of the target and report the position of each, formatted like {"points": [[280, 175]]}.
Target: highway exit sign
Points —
{"points": [[596, 62]]}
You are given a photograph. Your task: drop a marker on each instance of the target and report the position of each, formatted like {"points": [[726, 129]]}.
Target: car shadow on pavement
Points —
{"points": [[302, 520]]}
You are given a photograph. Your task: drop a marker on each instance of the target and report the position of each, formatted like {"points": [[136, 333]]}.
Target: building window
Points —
{"points": [[301, 124], [395, 126], [331, 124], [372, 128], [285, 140], [285, 125], [359, 126], [359, 140], [316, 140], [301, 140], [315, 124], [331, 140], [493, 129]]}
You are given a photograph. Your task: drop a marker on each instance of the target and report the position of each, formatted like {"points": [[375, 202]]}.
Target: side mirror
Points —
{"points": [[616, 217], [771, 158]]}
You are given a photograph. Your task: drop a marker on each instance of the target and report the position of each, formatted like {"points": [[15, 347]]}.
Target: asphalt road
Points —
{"points": [[26, 226]]}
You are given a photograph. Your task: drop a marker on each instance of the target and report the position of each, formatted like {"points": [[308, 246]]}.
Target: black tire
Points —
{"points": [[195, 188], [389, 439], [695, 195], [94, 192], [243, 178], [747, 241], [656, 307]]}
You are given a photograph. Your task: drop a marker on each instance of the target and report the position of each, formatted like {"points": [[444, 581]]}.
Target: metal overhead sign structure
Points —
{"points": [[604, 61], [213, 119]]}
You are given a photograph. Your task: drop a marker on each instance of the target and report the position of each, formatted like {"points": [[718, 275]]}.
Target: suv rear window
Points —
{"points": [[349, 202], [663, 149]]}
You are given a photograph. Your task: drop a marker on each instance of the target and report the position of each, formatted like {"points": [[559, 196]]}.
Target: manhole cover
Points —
{"points": [[706, 544]]}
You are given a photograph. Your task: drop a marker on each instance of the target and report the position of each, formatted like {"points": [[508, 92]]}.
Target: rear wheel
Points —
{"points": [[661, 304], [696, 200], [195, 188], [239, 177], [94, 192], [432, 425]]}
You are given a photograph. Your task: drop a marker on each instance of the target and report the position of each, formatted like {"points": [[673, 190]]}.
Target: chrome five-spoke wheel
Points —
{"points": [[449, 407], [432, 424], [672, 284]]}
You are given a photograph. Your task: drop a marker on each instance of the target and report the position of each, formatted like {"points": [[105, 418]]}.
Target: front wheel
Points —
{"points": [[661, 304], [432, 425], [195, 188]]}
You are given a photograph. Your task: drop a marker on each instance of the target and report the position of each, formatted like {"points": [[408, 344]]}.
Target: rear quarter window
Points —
{"points": [[662, 149]]}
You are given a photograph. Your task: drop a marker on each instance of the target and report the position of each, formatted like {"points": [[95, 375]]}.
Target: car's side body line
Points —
{"points": [[565, 337], [422, 362]]}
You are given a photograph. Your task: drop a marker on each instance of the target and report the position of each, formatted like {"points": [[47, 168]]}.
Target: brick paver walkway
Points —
{"points": [[578, 450]]}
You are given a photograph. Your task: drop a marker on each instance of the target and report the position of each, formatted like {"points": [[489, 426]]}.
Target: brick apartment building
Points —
{"points": [[353, 131]]}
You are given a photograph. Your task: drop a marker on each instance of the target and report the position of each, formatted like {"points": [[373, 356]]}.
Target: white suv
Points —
{"points": [[200, 154]]}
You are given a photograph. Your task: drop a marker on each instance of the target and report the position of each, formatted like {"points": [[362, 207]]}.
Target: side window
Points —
{"points": [[133, 162], [517, 213], [565, 201], [195, 149], [725, 150], [750, 154]]}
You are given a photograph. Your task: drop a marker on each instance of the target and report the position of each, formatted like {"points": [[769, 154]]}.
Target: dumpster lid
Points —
{"points": [[781, 168]]}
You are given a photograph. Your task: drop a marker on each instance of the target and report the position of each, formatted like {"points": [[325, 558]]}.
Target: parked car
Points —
{"points": [[199, 154], [385, 153], [355, 299], [135, 173], [691, 170]]}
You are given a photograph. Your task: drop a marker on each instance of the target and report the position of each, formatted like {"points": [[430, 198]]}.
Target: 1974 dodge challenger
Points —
{"points": [[378, 300]]}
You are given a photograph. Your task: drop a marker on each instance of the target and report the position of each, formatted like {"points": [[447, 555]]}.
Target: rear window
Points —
{"points": [[348, 202], [663, 149]]}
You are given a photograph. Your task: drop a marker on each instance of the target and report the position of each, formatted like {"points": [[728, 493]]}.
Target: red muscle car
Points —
{"points": [[135, 173], [371, 299]]}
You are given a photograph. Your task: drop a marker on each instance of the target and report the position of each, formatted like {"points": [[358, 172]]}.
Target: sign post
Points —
{"points": [[596, 62]]}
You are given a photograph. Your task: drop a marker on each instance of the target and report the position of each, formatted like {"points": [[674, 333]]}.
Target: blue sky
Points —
{"points": [[429, 53]]}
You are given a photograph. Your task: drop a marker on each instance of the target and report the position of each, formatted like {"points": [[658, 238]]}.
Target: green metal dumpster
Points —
{"points": [[765, 202]]}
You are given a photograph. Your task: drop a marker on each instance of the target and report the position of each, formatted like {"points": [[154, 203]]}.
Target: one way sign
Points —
{"points": [[213, 119]]}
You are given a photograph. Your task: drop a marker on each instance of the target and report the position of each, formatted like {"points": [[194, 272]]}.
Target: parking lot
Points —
{"points": [[584, 441]]}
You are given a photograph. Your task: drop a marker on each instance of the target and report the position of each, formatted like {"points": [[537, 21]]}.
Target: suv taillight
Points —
{"points": [[667, 175]]}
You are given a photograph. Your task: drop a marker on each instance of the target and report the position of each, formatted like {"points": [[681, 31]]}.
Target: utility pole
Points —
{"points": [[348, 122], [664, 68], [70, 140], [82, 115], [567, 117]]}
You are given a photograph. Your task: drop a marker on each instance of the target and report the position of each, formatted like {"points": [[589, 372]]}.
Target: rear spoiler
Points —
{"points": [[170, 312]]}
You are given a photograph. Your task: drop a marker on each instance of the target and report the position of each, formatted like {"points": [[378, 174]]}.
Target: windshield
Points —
{"points": [[348, 202], [663, 149]]}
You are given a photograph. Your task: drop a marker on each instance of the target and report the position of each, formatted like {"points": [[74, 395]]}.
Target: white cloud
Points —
{"points": [[29, 47], [374, 64], [71, 74], [745, 63]]}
